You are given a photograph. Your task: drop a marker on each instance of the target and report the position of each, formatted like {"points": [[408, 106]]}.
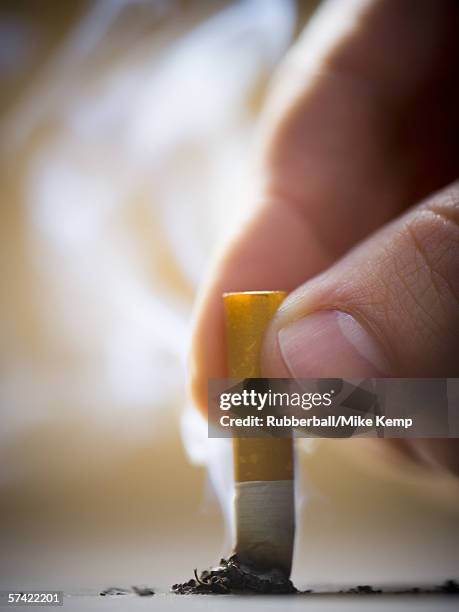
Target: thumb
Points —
{"points": [[388, 308]]}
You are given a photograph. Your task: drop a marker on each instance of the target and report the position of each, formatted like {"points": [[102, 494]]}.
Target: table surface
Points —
{"points": [[304, 602]]}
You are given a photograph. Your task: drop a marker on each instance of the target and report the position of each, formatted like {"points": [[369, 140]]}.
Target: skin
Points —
{"points": [[356, 205]]}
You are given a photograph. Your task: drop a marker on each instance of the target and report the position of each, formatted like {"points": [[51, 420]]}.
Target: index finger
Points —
{"points": [[334, 164]]}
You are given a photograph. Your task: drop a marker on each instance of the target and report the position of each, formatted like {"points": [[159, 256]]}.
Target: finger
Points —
{"points": [[389, 308], [350, 110], [249, 264]]}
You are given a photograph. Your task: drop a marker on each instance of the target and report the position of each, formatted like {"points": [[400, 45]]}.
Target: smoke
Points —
{"points": [[119, 157]]}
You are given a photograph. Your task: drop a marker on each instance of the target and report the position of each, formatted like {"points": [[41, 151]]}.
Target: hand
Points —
{"points": [[356, 213]]}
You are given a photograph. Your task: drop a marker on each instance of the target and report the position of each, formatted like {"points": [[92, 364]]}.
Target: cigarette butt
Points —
{"points": [[263, 467]]}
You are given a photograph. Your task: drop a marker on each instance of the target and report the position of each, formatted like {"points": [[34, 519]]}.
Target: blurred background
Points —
{"points": [[126, 129]]}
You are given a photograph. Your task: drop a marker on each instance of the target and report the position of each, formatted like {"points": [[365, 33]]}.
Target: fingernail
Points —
{"points": [[330, 344]]}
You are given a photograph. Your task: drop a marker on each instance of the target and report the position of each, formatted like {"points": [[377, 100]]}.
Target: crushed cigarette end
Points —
{"points": [[233, 577]]}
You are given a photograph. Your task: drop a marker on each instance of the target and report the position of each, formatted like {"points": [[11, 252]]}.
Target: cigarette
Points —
{"points": [[263, 467]]}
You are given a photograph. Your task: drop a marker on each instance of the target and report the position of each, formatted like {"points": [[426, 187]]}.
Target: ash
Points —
{"points": [[233, 577]]}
